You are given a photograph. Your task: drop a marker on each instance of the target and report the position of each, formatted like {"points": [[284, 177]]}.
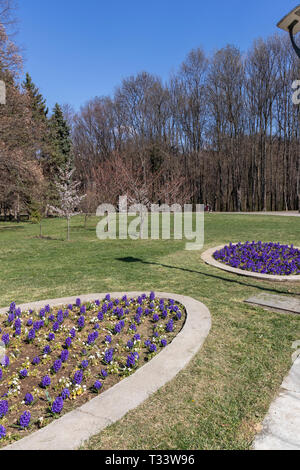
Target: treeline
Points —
{"points": [[33, 145], [32, 149], [223, 129]]}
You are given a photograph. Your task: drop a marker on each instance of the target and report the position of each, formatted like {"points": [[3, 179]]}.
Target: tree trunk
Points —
{"points": [[68, 229]]}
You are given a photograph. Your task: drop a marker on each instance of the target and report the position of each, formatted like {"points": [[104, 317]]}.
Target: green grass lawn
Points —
{"points": [[220, 399]]}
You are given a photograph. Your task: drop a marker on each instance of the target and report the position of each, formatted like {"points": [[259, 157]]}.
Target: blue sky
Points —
{"points": [[75, 49]]}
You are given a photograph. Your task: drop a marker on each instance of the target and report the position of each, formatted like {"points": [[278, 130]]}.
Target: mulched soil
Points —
{"points": [[21, 353]]}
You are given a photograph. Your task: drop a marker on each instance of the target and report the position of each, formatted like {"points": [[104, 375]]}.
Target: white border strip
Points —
{"points": [[281, 426], [208, 258], [74, 428]]}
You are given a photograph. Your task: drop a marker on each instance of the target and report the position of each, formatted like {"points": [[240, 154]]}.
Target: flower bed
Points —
{"points": [[58, 358], [259, 257]]}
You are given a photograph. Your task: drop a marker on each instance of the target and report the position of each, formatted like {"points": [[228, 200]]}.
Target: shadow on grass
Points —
{"points": [[12, 227], [84, 229], [49, 238], [131, 259]]}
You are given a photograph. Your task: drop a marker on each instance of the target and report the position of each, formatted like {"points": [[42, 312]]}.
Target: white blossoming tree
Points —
{"points": [[69, 197]]}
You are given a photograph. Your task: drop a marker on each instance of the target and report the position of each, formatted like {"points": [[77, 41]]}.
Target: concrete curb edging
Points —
{"points": [[74, 428], [208, 258], [281, 426]]}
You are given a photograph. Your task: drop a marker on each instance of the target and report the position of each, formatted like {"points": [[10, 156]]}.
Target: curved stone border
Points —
{"points": [[208, 258], [74, 428], [281, 426]]}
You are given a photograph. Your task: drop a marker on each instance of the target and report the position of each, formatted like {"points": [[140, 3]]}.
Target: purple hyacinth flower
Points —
{"points": [[60, 317], [2, 432], [152, 296], [28, 399], [131, 360], [5, 339], [100, 316], [57, 405], [3, 408], [46, 381], [47, 350], [85, 364], [170, 326], [23, 373], [57, 366], [152, 348], [65, 393], [97, 385], [42, 313], [5, 361], [36, 361], [24, 420], [73, 333], [64, 355], [78, 377], [108, 356]]}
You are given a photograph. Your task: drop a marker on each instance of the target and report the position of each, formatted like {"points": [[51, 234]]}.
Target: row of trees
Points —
{"points": [[222, 131], [33, 146], [31, 150]]}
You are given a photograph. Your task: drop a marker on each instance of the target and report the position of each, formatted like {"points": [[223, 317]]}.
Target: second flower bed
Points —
{"points": [[258, 257]]}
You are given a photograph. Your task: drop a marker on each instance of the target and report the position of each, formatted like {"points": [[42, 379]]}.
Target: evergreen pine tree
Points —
{"points": [[37, 102], [40, 131], [60, 136]]}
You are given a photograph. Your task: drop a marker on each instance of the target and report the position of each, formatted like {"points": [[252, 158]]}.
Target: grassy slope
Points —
{"points": [[218, 401]]}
